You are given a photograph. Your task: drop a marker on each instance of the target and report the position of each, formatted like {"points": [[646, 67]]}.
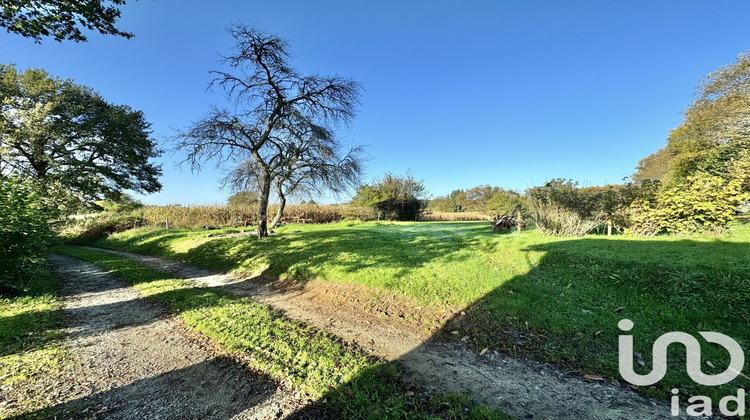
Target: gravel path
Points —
{"points": [[134, 361], [522, 389]]}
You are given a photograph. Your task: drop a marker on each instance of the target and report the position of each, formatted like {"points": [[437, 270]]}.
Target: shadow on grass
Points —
{"points": [[299, 255], [565, 311], [28, 331]]}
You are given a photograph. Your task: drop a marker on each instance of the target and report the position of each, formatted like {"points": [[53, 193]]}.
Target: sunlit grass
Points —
{"points": [[30, 345]]}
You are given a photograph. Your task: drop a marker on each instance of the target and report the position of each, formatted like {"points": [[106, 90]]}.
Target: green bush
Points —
{"points": [[703, 202], [87, 229], [25, 233]]}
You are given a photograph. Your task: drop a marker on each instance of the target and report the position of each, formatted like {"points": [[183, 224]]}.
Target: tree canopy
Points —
{"points": [[70, 140], [280, 128], [60, 19], [394, 196], [714, 136]]}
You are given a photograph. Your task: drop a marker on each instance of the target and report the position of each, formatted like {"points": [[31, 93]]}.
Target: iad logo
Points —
{"points": [[693, 366]]}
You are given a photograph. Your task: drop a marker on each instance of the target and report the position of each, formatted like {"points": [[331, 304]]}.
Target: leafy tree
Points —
{"points": [[61, 19], [396, 197], [715, 133], [654, 166], [243, 198], [119, 203], [283, 110], [73, 143]]}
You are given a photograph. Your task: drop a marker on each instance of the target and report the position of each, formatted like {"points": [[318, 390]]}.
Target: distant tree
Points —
{"points": [[443, 204], [654, 166], [119, 203], [285, 112], [503, 201], [399, 197], [241, 198], [71, 141], [60, 19]]}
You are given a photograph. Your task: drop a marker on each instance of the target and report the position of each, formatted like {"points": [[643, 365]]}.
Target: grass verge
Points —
{"points": [[31, 349], [344, 381]]}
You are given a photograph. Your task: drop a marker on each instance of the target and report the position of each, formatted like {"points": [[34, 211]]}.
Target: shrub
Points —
{"points": [[703, 202], [554, 219], [92, 227], [25, 233]]}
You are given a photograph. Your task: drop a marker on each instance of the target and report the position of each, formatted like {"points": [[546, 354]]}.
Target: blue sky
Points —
{"points": [[462, 93]]}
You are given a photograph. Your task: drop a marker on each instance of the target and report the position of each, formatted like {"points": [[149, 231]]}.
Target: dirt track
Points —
{"points": [[134, 361], [520, 388]]}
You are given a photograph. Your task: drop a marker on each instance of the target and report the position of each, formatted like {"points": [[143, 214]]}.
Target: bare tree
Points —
{"points": [[312, 163], [276, 108]]}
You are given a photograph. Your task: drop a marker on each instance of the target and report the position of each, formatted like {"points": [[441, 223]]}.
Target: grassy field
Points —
{"points": [[554, 299], [30, 345], [346, 382]]}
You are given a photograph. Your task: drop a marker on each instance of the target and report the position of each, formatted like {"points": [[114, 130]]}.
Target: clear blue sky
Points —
{"points": [[463, 93]]}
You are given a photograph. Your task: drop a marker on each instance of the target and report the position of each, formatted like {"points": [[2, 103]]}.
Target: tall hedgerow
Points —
{"points": [[24, 233], [703, 202]]}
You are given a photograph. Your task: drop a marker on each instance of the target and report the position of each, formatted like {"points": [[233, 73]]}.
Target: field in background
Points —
{"points": [[467, 216], [529, 295], [221, 216]]}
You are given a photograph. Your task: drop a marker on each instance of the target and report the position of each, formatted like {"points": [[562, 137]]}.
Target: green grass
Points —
{"points": [[554, 299], [30, 345], [319, 366]]}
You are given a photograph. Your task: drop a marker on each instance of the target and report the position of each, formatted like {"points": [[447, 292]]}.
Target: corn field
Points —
{"points": [[223, 216]]}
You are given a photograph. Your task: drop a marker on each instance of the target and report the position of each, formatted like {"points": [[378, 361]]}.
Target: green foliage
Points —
{"points": [[88, 228], [24, 233], [120, 203], [60, 19], [393, 197], [562, 202], [484, 199], [70, 141], [704, 202], [654, 166], [243, 198]]}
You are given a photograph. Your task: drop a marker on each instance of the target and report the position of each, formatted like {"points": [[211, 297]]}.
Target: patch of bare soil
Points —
{"points": [[521, 388], [134, 361]]}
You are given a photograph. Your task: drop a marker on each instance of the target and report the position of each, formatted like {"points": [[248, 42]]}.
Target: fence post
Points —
{"points": [[166, 223]]}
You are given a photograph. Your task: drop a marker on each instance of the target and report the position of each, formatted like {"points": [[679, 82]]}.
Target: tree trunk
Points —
{"points": [[265, 192], [282, 203]]}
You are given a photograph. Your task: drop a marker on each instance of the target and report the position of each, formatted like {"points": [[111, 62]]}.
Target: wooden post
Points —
{"points": [[166, 223], [609, 227], [519, 220]]}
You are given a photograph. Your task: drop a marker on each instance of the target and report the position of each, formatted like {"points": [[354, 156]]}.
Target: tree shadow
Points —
{"points": [[21, 332], [565, 311], [217, 388]]}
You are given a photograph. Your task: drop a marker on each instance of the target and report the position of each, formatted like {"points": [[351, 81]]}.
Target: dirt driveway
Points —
{"points": [[134, 361]]}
